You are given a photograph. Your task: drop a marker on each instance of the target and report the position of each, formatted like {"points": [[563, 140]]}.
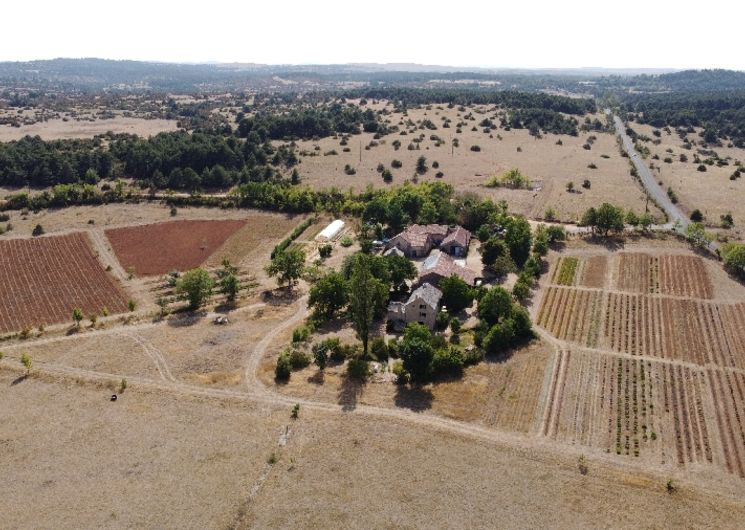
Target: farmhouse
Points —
{"points": [[420, 307], [441, 265], [418, 240], [456, 242]]}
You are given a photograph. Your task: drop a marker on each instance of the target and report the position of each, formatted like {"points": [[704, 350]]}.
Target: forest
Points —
{"points": [[721, 114]]}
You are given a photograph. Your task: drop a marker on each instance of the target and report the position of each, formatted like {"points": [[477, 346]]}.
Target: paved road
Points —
{"points": [[673, 212], [653, 189]]}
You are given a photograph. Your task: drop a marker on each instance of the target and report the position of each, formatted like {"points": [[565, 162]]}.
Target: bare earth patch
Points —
{"points": [[175, 245]]}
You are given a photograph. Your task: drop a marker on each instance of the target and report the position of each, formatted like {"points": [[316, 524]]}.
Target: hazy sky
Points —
{"points": [[517, 33]]}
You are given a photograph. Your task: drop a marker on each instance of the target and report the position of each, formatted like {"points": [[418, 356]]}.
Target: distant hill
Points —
{"points": [[92, 74]]}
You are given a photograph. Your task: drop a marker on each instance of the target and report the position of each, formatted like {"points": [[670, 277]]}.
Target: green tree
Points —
{"points": [[400, 269], [456, 294], [320, 355], [697, 235], [421, 165], [416, 351], [645, 221], [494, 304], [196, 287], [26, 361], [605, 219], [519, 239], [287, 266], [77, 316], [329, 295], [229, 286], [366, 296], [734, 258]]}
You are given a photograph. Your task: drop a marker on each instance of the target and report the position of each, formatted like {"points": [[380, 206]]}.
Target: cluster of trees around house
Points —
{"points": [[360, 292], [720, 114]]}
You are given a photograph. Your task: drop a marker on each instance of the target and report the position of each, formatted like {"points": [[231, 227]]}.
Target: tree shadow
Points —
{"points": [[317, 378], [280, 296], [611, 243], [186, 320], [415, 398], [349, 393], [18, 380]]}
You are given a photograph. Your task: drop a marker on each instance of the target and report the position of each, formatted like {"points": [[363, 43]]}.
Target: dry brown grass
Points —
{"points": [[551, 166], [57, 129], [712, 191]]}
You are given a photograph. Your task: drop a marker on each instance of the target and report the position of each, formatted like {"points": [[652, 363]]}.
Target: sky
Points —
{"points": [[490, 33]]}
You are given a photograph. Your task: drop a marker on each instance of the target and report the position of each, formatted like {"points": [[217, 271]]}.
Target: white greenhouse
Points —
{"points": [[331, 231]]}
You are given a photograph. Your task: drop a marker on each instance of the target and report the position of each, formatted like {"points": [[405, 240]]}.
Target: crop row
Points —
{"points": [[640, 408], [674, 275], [42, 280], [572, 314]]}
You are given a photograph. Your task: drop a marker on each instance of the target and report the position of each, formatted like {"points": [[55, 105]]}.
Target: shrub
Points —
{"points": [[298, 359], [131, 305], [284, 367], [387, 175], [475, 148], [402, 376], [300, 334], [586, 184], [472, 356], [37, 231], [447, 361], [396, 164], [358, 368], [346, 241], [349, 170], [701, 167], [697, 216], [379, 349], [325, 250], [442, 319]]}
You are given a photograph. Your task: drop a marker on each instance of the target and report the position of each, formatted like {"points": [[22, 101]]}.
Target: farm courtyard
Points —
{"points": [[635, 381]]}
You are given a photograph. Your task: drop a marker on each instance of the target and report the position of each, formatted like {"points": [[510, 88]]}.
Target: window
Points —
{"points": [[422, 306], [423, 315]]}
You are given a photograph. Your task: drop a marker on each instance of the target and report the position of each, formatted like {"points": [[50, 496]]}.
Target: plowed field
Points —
{"points": [[43, 280], [176, 245]]}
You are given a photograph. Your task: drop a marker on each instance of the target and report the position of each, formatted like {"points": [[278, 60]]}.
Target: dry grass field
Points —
{"points": [[548, 165], [711, 191], [58, 129], [651, 357], [157, 459]]}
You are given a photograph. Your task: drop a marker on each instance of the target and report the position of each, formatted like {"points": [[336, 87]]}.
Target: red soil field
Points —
{"points": [[175, 245], [43, 280]]}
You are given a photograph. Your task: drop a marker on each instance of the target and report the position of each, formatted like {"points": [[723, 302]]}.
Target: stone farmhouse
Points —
{"points": [[421, 307], [417, 241]]}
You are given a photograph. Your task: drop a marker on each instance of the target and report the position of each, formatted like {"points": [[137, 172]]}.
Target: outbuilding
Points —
{"points": [[331, 231]]}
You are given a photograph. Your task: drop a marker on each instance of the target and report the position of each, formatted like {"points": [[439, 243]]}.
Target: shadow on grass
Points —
{"points": [[317, 378], [349, 393], [611, 243], [184, 320], [413, 397], [18, 380]]}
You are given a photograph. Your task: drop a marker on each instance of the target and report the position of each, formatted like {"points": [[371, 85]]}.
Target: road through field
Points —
{"points": [[660, 197]]}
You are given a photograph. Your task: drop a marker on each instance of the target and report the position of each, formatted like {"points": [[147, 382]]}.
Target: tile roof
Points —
{"points": [[459, 235], [441, 264]]}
